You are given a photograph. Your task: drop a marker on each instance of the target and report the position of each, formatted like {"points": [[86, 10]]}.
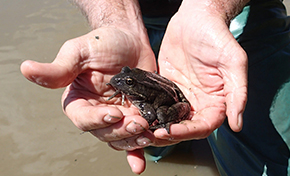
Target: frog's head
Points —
{"points": [[127, 82], [124, 80]]}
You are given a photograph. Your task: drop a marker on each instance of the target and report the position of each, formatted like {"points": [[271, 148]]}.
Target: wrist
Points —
{"points": [[223, 9], [121, 14]]}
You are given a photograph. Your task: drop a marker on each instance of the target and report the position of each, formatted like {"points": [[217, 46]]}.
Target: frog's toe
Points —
{"points": [[166, 126]]}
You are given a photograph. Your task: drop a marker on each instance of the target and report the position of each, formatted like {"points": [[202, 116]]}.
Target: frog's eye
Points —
{"points": [[129, 81]]}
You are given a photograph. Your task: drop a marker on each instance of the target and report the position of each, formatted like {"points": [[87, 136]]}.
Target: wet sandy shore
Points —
{"points": [[36, 138]]}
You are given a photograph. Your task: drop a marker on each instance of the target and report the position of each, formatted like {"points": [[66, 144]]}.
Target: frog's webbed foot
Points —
{"points": [[166, 126]]}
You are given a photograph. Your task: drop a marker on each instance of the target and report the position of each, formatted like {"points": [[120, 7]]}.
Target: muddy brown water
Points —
{"points": [[36, 138]]}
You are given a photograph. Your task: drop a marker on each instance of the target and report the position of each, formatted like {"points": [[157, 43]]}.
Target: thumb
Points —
{"points": [[236, 90], [60, 73]]}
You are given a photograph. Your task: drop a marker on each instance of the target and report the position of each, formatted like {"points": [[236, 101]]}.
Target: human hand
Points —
{"points": [[208, 64], [85, 65], [199, 53]]}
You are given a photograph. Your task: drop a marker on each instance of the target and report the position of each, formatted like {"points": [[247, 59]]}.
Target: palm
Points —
{"points": [[210, 68], [209, 72], [86, 64], [104, 57]]}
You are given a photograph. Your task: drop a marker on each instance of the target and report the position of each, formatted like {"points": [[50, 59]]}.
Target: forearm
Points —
{"points": [[229, 8], [114, 13], [225, 9]]}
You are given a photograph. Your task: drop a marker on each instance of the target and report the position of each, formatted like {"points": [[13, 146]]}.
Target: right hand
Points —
{"points": [[85, 65]]}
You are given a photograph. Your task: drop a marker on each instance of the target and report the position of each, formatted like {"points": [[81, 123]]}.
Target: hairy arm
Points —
{"points": [[227, 9], [118, 13]]}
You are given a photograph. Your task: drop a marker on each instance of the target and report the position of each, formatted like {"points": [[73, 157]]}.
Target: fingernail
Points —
{"points": [[111, 119], [143, 141], [134, 127]]}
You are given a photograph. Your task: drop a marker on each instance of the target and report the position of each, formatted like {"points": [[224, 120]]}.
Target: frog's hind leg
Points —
{"points": [[173, 114], [164, 120], [166, 126]]}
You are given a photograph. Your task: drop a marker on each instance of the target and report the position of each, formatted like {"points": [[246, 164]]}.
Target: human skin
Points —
{"points": [[198, 53]]}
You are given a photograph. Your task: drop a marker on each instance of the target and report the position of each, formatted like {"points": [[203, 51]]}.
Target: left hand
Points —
{"points": [[200, 54]]}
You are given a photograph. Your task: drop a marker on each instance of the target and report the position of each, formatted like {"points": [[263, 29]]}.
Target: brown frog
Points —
{"points": [[158, 99]]}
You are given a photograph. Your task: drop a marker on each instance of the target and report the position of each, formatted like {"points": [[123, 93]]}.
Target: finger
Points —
{"points": [[127, 127], [135, 142], [87, 116], [236, 102], [236, 89], [61, 72], [136, 160]]}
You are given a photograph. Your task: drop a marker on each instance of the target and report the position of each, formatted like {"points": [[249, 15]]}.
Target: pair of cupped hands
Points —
{"points": [[203, 59]]}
